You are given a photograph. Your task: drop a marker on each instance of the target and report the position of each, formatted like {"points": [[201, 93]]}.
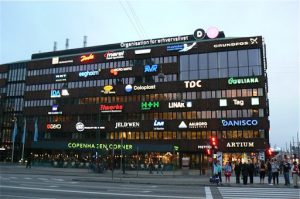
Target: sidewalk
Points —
{"points": [[141, 177]]}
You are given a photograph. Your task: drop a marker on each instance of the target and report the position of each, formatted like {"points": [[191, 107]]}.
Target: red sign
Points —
{"points": [[111, 108], [85, 58], [53, 126]]}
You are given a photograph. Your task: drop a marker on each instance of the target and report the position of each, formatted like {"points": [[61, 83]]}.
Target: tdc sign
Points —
{"points": [[193, 84]]}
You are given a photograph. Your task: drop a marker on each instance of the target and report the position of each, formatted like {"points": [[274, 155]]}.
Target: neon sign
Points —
{"points": [[111, 108], [85, 58], [250, 80], [53, 126], [114, 55], [150, 69], [77, 145], [55, 94], [239, 122], [149, 105]]}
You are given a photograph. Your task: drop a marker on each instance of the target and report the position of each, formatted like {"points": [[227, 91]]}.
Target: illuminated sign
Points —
{"points": [[108, 90], [239, 122], [192, 125], [115, 71], [223, 102], [150, 69], [55, 60], [54, 110], [85, 58], [149, 105], [142, 51], [204, 147], [251, 41], [179, 105], [88, 73], [76, 145], [193, 84], [181, 47], [127, 125], [240, 144], [144, 87], [212, 32], [238, 102], [199, 33], [81, 127], [114, 55], [111, 108], [249, 80], [53, 126], [55, 94], [154, 41], [158, 125], [61, 78], [254, 101]]}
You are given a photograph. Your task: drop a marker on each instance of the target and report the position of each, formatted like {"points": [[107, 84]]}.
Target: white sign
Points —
{"points": [[193, 84], [114, 55], [127, 125], [238, 102], [55, 60]]}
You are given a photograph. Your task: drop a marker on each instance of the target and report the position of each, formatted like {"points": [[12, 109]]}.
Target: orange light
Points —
{"points": [[84, 58]]}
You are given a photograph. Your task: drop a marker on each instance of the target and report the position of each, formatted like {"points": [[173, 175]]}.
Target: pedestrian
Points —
{"points": [[150, 167], [275, 171], [251, 171], [227, 171], [262, 172], [237, 170], [160, 168], [286, 172], [218, 170], [245, 172], [295, 174], [269, 168], [28, 164]]}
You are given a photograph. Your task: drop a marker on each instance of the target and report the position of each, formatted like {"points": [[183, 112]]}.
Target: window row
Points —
{"points": [[15, 89], [107, 65], [3, 75], [231, 93], [17, 73], [102, 82]]}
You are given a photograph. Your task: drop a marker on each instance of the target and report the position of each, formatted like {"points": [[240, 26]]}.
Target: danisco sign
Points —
{"points": [[78, 145]]}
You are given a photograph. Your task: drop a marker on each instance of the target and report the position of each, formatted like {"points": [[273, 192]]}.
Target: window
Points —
{"points": [[243, 58]]}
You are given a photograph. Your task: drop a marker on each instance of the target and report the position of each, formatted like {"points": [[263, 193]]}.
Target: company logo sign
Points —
{"points": [[192, 125], [193, 84], [55, 60], [81, 127], [172, 105], [204, 147], [149, 105], [158, 125], [111, 108], [85, 58], [142, 51], [154, 41], [115, 71], [54, 110], [199, 33], [150, 69], [251, 41], [75, 145], [108, 90], [238, 102], [240, 144], [127, 125], [181, 47], [88, 73], [250, 80], [53, 126], [54, 107], [129, 88], [239, 123], [61, 78], [114, 55], [55, 94]]}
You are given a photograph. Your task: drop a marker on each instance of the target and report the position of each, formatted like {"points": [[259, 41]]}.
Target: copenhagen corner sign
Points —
{"points": [[76, 145]]}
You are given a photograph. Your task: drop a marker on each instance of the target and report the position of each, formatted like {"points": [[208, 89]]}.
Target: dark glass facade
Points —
{"points": [[158, 100]]}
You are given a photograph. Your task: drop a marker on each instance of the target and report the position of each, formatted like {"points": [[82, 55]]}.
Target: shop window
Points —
{"points": [[262, 133]]}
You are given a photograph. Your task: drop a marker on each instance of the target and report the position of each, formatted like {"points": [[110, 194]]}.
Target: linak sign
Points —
{"points": [[240, 144]]}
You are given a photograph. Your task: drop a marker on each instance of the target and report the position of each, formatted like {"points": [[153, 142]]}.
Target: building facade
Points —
{"points": [[157, 100]]}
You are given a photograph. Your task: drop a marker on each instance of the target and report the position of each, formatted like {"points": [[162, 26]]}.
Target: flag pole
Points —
{"points": [[12, 153], [23, 139], [23, 153]]}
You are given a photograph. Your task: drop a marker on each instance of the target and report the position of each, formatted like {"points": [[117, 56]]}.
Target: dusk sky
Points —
{"points": [[29, 27]]}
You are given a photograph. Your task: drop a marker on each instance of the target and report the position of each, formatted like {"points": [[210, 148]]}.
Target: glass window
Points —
{"points": [[232, 59], [193, 74], [193, 62], [255, 70], [243, 58], [213, 73], [254, 57], [203, 74], [184, 75], [203, 61], [212, 60], [223, 73], [222, 59], [233, 72], [184, 63], [243, 71]]}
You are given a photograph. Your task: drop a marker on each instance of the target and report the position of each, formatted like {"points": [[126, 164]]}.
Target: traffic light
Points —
{"points": [[214, 142], [208, 152], [269, 153]]}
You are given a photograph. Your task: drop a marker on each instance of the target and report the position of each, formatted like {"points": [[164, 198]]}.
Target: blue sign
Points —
{"points": [[151, 69], [239, 122], [88, 73], [159, 125], [55, 93], [176, 47], [54, 107], [128, 88]]}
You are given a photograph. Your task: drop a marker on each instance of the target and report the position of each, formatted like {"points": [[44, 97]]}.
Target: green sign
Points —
{"points": [[248, 80], [77, 145], [149, 105]]}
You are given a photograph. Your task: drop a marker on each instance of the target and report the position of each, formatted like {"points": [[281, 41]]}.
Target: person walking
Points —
{"points": [[237, 170], [251, 171], [262, 172], [275, 171], [245, 172], [28, 164], [227, 171], [295, 174], [218, 170], [269, 169], [160, 168], [286, 172]]}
